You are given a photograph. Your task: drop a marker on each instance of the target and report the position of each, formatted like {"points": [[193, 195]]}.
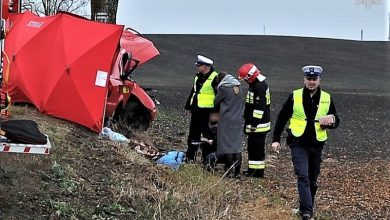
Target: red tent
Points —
{"points": [[61, 64]]}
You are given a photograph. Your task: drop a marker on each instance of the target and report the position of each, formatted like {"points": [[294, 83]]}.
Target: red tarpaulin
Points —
{"points": [[61, 64]]}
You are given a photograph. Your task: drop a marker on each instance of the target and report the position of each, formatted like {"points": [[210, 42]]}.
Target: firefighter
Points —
{"points": [[311, 112], [257, 117], [200, 103]]}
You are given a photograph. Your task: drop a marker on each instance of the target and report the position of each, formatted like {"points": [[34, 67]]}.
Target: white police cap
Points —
{"points": [[202, 60], [311, 70]]}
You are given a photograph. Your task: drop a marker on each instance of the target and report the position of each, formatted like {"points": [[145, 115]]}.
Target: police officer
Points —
{"points": [[257, 117], [200, 103], [311, 112]]}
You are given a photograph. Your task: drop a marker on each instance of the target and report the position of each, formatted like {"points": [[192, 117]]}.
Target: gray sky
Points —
{"points": [[314, 18]]}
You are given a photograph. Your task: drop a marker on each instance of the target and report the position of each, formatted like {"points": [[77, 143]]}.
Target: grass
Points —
{"points": [[199, 194], [192, 190], [86, 177], [63, 209]]}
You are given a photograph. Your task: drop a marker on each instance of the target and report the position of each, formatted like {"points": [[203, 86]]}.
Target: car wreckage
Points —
{"points": [[76, 69], [127, 101]]}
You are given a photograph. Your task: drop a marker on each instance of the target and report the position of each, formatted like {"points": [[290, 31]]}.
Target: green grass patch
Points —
{"points": [[192, 193], [62, 209]]}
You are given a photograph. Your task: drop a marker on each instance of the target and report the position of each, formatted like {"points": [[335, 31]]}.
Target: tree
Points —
{"points": [[51, 7], [106, 8]]}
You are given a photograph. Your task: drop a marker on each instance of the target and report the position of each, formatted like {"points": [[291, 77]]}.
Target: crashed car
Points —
{"points": [[126, 100], [76, 69]]}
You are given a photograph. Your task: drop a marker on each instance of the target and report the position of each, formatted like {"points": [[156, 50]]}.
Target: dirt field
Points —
{"points": [[85, 177], [356, 168]]}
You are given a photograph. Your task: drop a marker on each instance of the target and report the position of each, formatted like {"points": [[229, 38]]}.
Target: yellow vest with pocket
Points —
{"points": [[298, 120], [206, 94]]}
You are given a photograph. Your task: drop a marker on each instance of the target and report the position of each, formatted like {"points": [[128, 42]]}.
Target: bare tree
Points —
{"points": [[97, 6], [112, 10], [106, 8], [51, 7]]}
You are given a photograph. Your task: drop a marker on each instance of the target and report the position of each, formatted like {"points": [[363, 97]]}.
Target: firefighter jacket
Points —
{"points": [[257, 107], [310, 109], [203, 91]]}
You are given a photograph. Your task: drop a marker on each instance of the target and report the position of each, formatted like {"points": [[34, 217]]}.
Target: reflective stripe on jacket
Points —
{"points": [[260, 128], [206, 94], [257, 108], [298, 120], [256, 165]]}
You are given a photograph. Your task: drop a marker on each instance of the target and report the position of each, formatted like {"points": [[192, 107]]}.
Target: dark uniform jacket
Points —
{"points": [[310, 105], [199, 83], [260, 102]]}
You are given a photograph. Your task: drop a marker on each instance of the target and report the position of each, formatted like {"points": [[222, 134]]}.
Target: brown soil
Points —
{"points": [[85, 177]]}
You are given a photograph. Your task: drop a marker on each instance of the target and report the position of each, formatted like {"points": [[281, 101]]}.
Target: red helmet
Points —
{"points": [[248, 72]]}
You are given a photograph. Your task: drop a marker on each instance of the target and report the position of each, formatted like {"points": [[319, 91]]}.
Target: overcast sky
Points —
{"points": [[314, 18]]}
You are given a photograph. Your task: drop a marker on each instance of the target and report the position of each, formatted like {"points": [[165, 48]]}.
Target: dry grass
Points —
{"points": [[86, 177]]}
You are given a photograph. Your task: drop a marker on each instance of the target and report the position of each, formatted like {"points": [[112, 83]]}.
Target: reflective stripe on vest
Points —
{"points": [[206, 95], [256, 165], [298, 120]]}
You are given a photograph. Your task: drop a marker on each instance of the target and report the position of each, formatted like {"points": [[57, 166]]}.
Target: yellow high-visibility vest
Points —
{"points": [[298, 120], [206, 95]]}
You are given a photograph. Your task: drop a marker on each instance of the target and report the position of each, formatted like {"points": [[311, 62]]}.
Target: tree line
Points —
{"points": [[93, 9]]}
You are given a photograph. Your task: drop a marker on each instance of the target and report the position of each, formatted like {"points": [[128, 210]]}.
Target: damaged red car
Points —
{"points": [[79, 70], [126, 100]]}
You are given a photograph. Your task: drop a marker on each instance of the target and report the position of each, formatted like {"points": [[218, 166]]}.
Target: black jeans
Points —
{"points": [[199, 125], [307, 165]]}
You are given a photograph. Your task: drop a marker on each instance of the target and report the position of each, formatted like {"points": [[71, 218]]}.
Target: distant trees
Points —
{"points": [[104, 10], [101, 10], [51, 7]]}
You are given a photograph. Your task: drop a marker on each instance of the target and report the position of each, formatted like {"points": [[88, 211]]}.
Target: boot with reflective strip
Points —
{"points": [[256, 169]]}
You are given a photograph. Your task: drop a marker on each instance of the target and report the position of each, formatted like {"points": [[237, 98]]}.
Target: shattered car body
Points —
{"points": [[126, 100], [91, 86]]}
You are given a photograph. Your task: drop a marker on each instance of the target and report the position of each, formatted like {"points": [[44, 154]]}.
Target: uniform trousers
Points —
{"points": [[307, 165], [199, 125], [256, 154]]}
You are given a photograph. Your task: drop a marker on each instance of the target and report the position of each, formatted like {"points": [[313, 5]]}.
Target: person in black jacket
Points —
{"points": [[200, 103], [311, 112], [257, 117], [209, 143]]}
